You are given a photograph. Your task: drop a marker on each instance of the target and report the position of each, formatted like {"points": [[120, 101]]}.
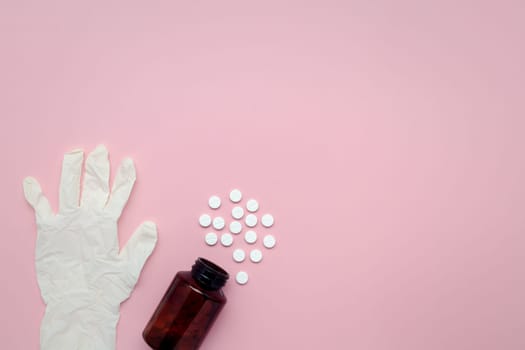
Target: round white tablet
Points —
{"points": [[256, 255], [235, 227], [218, 223], [241, 277], [214, 202], [205, 220], [239, 255], [267, 220], [235, 196], [211, 238], [226, 239], [251, 220], [269, 241], [252, 205], [250, 237], [237, 212]]}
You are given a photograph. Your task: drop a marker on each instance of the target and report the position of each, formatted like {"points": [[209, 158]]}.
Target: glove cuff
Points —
{"points": [[80, 323]]}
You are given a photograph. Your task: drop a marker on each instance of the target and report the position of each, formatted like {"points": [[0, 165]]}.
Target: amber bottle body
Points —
{"points": [[188, 309]]}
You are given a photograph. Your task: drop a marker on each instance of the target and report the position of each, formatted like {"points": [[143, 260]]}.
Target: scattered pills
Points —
{"points": [[239, 255], [237, 212], [226, 239], [269, 241], [267, 220], [256, 255], [252, 205], [235, 227], [214, 202], [243, 215], [211, 238], [250, 237], [218, 223], [235, 196], [251, 220], [205, 220], [241, 277]]}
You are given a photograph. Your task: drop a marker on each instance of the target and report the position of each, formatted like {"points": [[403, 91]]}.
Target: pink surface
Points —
{"points": [[387, 138]]}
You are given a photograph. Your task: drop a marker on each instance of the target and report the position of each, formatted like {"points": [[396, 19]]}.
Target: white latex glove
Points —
{"points": [[82, 275]]}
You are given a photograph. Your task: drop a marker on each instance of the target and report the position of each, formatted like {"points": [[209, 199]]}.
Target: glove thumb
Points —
{"points": [[138, 249]]}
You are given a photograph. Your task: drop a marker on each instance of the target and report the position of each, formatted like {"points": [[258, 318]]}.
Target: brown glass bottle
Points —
{"points": [[188, 309]]}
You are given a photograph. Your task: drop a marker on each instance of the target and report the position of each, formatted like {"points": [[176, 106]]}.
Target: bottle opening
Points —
{"points": [[208, 274]]}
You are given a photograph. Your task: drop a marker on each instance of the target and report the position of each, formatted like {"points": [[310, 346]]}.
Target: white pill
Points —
{"points": [[267, 220], [241, 277], [250, 237], [235, 196], [226, 239], [252, 205], [256, 255], [237, 212], [214, 202], [239, 255], [211, 238], [251, 220], [235, 227], [218, 223], [269, 241], [205, 220]]}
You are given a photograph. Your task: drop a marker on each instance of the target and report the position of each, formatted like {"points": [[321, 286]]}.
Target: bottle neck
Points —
{"points": [[209, 275]]}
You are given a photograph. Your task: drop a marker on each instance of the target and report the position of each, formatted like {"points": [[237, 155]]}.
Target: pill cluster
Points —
{"points": [[235, 227]]}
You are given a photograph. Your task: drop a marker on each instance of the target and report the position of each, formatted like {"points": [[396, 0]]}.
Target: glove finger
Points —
{"points": [[96, 179], [35, 197], [138, 249], [70, 180], [122, 187]]}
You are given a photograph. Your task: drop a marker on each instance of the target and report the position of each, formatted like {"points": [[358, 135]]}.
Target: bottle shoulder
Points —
{"points": [[217, 295]]}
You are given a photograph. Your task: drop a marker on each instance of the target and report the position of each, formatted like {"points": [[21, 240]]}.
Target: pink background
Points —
{"points": [[387, 138]]}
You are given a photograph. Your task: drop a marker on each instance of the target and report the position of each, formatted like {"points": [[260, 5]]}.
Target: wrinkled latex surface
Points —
{"points": [[82, 274]]}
